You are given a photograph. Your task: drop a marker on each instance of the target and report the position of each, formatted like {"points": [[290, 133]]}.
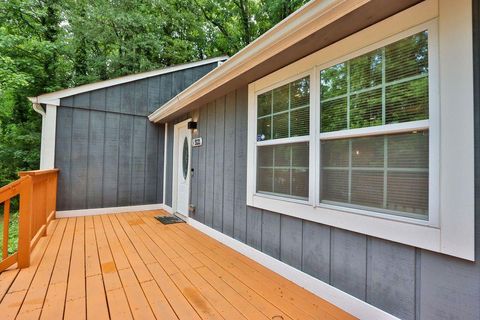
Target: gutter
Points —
{"points": [[37, 107]]}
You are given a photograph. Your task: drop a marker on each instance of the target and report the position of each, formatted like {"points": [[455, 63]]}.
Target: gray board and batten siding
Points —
{"points": [[108, 152], [405, 281]]}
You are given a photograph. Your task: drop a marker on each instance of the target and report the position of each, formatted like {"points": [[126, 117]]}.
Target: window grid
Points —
{"points": [[277, 168], [288, 111]]}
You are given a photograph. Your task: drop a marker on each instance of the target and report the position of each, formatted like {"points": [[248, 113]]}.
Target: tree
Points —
{"points": [[46, 45]]}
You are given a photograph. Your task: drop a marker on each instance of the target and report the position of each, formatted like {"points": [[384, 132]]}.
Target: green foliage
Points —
{"points": [[12, 233], [46, 45], [385, 86]]}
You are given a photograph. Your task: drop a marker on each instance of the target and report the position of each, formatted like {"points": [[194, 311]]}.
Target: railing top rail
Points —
{"points": [[37, 172], [13, 184]]}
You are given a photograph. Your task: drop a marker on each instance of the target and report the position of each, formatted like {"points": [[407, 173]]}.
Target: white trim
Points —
{"points": [[165, 149], [54, 97], [176, 127], [283, 141], [376, 130], [99, 211], [167, 208], [450, 229], [344, 301], [305, 21], [457, 179], [47, 147]]}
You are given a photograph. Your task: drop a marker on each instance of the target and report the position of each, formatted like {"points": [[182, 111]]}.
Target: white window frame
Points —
{"points": [[431, 124], [450, 227], [290, 140]]}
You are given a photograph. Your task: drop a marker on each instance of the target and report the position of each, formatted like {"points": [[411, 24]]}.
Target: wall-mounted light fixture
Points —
{"points": [[192, 125]]}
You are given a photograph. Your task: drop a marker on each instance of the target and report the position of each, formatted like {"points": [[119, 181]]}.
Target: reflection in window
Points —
{"points": [[385, 86], [284, 112]]}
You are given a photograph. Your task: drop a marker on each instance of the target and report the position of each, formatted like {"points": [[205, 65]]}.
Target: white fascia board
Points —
{"points": [[307, 20], [53, 98]]}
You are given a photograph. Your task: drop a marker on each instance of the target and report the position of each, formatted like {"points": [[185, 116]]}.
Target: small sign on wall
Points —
{"points": [[196, 142]]}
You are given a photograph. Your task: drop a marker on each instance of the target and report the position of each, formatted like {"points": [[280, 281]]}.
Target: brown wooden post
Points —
{"points": [[24, 221]]}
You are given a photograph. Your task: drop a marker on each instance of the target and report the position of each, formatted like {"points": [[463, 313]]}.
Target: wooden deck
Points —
{"points": [[129, 265]]}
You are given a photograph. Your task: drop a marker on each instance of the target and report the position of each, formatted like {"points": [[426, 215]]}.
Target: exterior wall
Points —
{"points": [[108, 153], [407, 282]]}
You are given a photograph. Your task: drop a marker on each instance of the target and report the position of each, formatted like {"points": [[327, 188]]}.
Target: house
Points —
{"points": [[338, 150]]}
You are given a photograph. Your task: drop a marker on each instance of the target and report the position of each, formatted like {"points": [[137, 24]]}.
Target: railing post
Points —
{"points": [[24, 222]]}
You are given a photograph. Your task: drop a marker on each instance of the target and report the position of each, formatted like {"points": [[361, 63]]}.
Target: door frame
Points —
{"points": [[175, 163]]}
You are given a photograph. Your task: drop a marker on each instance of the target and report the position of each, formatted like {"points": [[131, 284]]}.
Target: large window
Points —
{"points": [[375, 169], [374, 133], [283, 120]]}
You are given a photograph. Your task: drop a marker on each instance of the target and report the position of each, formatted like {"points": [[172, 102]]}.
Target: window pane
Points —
{"points": [[334, 185], [387, 173], [281, 183], [300, 155], [264, 104], [285, 111], [333, 81], [300, 183], [367, 188], [264, 129], [335, 153], [368, 152], [407, 57], [300, 122], [265, 180], [366, 71], [366, 109], [280, 126], [408, 150], [408, 192], [280, 98], [333, 115], [300, 93], [282, 155], [283, 169], [265, 156], [407, 101]]}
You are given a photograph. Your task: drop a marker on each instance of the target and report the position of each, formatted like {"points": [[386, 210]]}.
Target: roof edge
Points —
{"points": [[53, 98], [305, 21]]}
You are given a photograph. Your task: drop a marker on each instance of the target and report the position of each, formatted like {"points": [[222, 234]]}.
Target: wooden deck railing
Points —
{"points": [[37, 192]]}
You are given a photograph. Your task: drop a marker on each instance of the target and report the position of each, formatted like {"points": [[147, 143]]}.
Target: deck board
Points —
{"points": [[124, 266]]}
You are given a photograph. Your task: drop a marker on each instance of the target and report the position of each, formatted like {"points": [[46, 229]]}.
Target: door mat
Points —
{"points": [[169, 219]]}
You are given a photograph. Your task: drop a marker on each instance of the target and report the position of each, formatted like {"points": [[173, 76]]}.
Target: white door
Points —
{"points": [[182, 168]]}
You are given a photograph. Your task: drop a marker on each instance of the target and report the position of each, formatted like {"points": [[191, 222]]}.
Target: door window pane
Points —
{"points": [[185, 158]]}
